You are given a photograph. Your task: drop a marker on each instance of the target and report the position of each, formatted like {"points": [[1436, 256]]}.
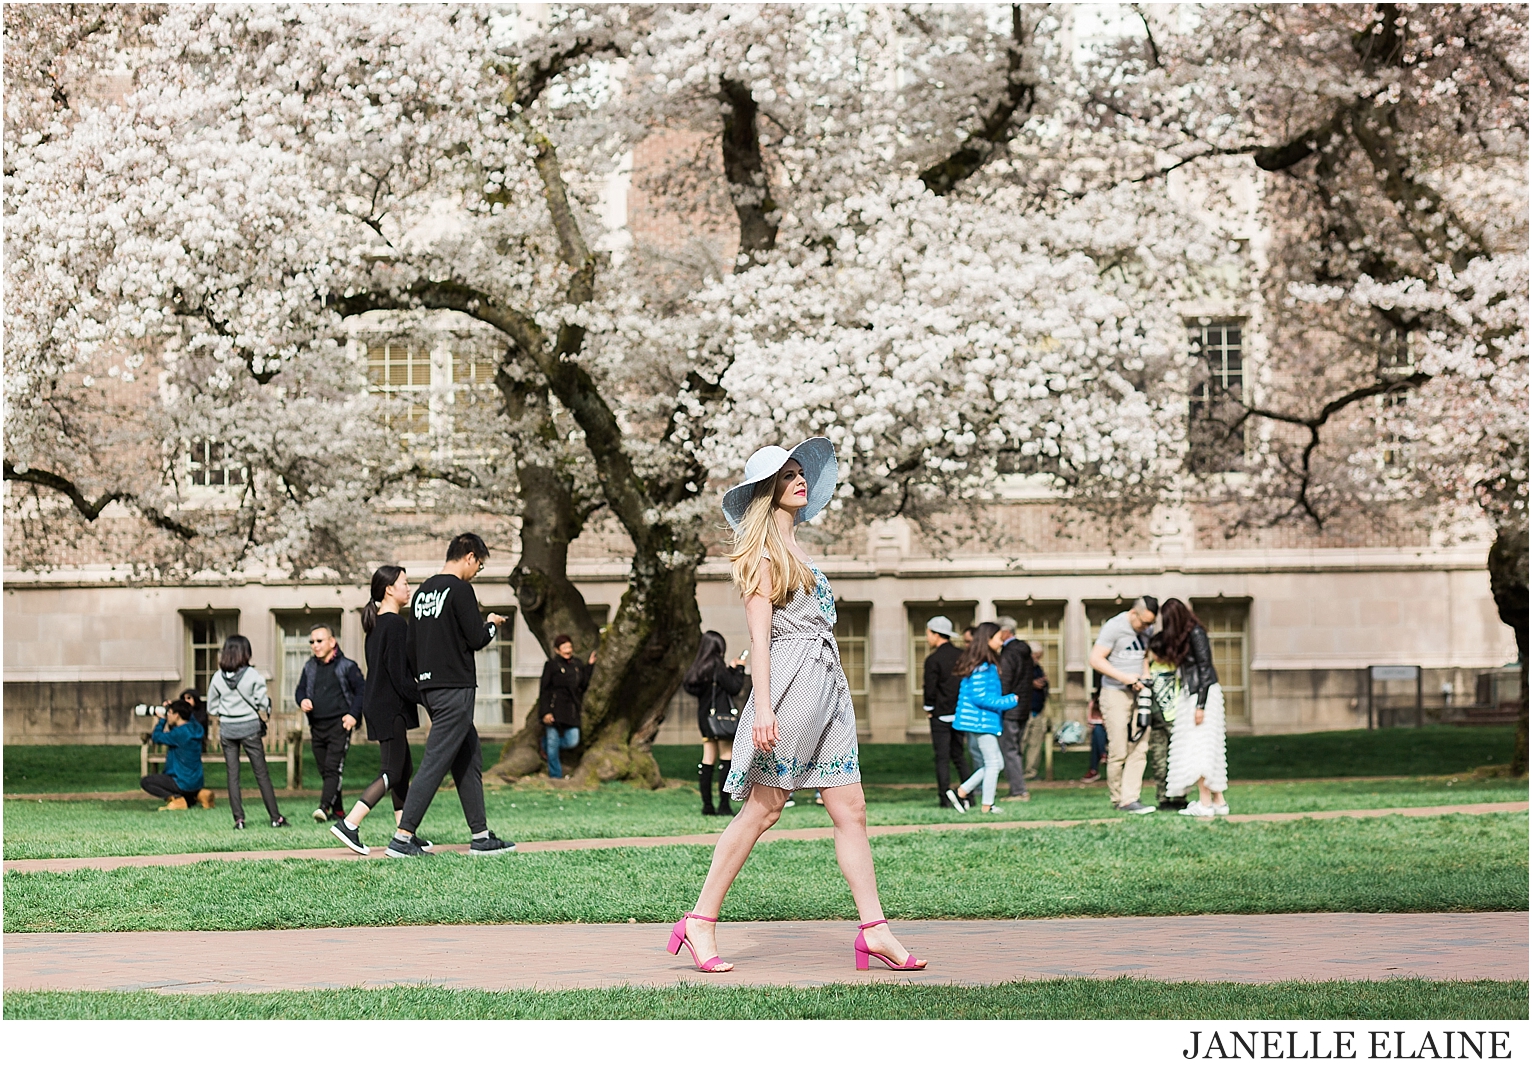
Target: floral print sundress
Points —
{"points": [[816, 725]]}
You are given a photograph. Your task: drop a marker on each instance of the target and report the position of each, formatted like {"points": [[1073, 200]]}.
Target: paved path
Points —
{"points": [[817, 833], [1248, 948]]}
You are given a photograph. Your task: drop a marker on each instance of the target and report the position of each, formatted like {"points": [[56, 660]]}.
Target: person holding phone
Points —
{"points": [[445, 629]]}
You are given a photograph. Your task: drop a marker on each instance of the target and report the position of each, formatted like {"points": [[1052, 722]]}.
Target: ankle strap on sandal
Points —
{"points": [[869, 925], [700, 917]]}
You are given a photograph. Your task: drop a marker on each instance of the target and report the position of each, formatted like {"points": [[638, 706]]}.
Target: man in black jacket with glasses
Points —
{"points": [[445, 629]]}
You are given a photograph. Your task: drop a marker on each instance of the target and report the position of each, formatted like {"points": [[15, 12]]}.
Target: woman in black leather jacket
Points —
{"points": [[713, 681], [1197, 753]]}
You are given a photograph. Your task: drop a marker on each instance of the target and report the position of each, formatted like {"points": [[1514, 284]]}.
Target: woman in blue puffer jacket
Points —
{"points": [[980, 704]]}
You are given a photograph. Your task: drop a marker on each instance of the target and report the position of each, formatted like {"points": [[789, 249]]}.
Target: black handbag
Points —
{"points": [[722, 726]]}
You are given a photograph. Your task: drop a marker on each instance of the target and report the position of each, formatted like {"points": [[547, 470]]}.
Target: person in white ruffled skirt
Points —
{"points": [[1197, 750]]}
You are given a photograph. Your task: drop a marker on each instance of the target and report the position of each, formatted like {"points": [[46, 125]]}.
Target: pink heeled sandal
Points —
{"points": [[678, 937], [865, 954]]}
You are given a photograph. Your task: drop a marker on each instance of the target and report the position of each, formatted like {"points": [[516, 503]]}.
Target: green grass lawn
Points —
{"points": [[1353, 753], [114, 768], [1154, 866], [1065, 998], [57, 829], [1429, 751]]}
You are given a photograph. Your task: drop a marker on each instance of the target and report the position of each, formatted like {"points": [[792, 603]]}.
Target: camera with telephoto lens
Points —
{"points": [[1143, 707]]}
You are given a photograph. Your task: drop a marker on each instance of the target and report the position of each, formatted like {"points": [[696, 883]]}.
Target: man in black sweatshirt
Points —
{"points": [[444, 631]]}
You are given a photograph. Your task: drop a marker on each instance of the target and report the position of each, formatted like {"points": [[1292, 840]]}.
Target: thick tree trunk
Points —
{"points": [[647, 649], [552, 518], [1508, 583]]}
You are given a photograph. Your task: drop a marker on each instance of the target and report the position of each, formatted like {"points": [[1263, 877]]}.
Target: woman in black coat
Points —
{"points": [[561, 701], [713, 682], [388, 702]]}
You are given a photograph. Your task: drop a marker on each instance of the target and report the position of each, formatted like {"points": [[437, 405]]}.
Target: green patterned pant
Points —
{"points": [[1159, 760]]}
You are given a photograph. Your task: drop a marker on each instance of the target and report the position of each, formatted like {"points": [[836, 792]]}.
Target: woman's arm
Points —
{"points": [[731, 679], [758, 620], [396, 661], [258, 695], [545, 690], [1202, 655], [987, 694]]}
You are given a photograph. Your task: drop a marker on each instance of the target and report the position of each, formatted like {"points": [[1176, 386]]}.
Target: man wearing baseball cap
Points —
{"points": [[941, 694]]}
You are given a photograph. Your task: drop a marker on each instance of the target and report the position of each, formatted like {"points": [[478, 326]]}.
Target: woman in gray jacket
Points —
{"points": [[236, 697]]}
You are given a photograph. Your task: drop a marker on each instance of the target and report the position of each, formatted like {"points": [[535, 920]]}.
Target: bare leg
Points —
{"points": [[763, 806], [709, 752], [1204, 793], [847, 808], [726, 750]]}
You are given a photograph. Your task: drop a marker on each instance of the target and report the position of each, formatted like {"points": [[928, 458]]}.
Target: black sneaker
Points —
{"points": [[337, 815], [403, 849], [279, 822], [422, 843], [352, 838], [491, 845]]}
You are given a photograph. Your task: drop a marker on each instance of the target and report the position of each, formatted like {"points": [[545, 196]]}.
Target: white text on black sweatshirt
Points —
{"points": [[445, 630]]}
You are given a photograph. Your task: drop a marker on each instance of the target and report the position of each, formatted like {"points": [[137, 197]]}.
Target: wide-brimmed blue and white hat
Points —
{"points": [[817, 457]]}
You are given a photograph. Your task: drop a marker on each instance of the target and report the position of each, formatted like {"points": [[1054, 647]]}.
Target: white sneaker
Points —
{"points": [[790, 803], [1195, 809], [1219, 808]]}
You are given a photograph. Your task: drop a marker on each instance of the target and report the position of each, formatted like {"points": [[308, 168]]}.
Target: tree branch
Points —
{"points": [[985, 143], [570, 381], [1154, 49], [89, 509], [1295, 151], [745, 169]]}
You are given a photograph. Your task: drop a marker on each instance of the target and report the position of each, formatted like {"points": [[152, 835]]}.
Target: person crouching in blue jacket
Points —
{"points": [[181, 782], [980, 705]]}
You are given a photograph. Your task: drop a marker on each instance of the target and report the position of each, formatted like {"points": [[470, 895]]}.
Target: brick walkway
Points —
{"points": [[818, 833], [1247, 948]]}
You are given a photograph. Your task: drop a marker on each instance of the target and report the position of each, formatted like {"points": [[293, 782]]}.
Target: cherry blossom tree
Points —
{"points": [[1393, 140], [943, 263]]}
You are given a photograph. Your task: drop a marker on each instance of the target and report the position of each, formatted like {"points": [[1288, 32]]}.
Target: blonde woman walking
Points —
{"points": [[804, 733]]}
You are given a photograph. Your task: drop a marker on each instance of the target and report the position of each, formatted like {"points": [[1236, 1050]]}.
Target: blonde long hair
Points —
{"points": [[759, 535]]}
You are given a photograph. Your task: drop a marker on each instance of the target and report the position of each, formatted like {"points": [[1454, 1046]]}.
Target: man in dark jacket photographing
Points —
{"points": [[445, 631]]}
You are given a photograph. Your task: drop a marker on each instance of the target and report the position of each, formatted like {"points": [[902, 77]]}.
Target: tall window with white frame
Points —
{"points": [[1215, 431], [400, 368], [205, 633]]}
